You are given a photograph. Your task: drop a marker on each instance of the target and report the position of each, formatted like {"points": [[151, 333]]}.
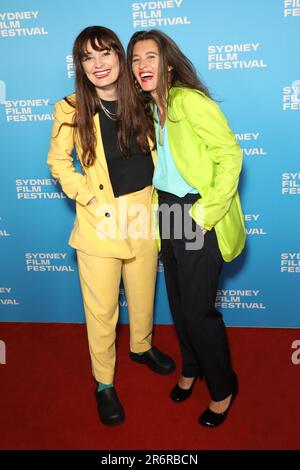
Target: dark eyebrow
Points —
{"points": [[148, 52], [86, 53]]}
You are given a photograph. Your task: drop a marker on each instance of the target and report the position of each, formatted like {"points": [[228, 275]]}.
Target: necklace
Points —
{"points": [[109, 114], [160, 127]]}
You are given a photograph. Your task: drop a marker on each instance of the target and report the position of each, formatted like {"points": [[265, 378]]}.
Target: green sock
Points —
{"points": [[102, 386]]}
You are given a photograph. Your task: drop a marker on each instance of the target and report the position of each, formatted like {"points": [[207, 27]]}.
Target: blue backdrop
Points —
{"points": [[247, 53]]}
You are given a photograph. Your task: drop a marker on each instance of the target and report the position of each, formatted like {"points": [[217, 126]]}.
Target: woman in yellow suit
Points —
{"points": [[112, 229]]}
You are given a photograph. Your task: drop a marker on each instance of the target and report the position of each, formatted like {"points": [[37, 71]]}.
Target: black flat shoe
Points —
{"points": [[155, 360], [110, 410], [211, 419], [179, 394]]}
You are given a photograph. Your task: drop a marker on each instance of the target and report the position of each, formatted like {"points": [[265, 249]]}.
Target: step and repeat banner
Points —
{"points": [[247, 52]]}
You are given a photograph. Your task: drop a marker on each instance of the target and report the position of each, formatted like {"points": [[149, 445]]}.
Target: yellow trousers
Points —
{"points": [[100, 282]]}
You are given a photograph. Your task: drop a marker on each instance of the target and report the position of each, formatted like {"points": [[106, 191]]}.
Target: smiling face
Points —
{"points": [[102, 68], [145, 65]]}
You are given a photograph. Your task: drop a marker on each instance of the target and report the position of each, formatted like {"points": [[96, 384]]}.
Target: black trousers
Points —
{"points": [[192, 279]]}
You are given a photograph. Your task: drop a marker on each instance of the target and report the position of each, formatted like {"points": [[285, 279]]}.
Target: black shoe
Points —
{"points": [[155, 360], [109, 407], [179, 394], [211, 419]]}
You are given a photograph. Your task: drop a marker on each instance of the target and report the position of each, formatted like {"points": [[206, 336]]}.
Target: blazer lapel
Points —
{"points": [[99, 144]]}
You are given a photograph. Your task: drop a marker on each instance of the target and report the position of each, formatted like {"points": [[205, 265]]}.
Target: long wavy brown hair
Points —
{"points": [[183, 73], [131, 117]]}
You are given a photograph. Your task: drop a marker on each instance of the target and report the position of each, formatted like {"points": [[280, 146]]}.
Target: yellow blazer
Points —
{"points": [[92, 182]]}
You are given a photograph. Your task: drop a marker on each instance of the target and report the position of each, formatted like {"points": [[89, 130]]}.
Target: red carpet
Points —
{"points": [[47, 400]]}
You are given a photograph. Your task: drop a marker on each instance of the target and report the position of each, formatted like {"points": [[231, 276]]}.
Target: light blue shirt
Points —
{"points": [[166, 176]]}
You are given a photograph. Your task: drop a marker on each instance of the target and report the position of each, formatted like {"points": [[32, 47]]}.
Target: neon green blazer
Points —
{"points": [[209, 158]]}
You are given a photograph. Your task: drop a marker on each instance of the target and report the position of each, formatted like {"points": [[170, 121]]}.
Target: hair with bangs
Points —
{"points": [[183, 73], [131, 115]]}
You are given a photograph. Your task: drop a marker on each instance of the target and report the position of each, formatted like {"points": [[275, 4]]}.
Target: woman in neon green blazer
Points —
{"points": [[197, 173]]}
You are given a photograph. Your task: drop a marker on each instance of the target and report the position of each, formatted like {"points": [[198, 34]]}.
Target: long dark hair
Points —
{"points": [[130, 113], [183, 73]]}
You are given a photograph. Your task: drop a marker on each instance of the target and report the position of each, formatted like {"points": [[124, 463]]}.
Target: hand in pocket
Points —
{"points": [[92, 201]]}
